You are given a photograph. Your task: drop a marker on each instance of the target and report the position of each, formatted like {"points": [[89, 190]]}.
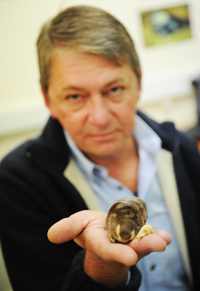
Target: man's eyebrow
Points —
{"points": [[73, 87], [115, 81]]}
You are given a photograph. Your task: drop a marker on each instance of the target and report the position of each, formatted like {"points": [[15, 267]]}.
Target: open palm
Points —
{"points": [[88, 229]]}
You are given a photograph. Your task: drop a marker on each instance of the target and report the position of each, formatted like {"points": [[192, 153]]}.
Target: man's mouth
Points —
{"points": [[104, 135]]}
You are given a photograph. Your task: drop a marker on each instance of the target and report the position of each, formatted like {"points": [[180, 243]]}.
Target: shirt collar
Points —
{"points": [[83, 162], [146, 138], [144, 135]]}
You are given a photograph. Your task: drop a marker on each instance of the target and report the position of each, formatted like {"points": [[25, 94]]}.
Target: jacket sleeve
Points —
{"points": [[77, 280], [32, 262], [30, 202]]}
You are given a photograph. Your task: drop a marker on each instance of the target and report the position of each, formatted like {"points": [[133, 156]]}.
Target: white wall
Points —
{"points": [[167, 70], [4, 280]]}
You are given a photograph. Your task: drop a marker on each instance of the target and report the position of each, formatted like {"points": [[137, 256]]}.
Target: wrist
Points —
{"points": [[109, 274]]}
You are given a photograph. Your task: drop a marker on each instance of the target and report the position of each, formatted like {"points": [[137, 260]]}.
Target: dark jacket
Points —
{"points": [[34, 194]]}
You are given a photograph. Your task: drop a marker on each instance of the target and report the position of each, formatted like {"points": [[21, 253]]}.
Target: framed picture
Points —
{"points": [[166, 25]]}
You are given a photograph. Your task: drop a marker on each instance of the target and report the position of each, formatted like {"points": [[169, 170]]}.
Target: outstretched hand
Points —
{"points": [[88, 229]]}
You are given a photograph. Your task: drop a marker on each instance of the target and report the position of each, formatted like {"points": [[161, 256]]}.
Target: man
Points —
{"points": [[95, 149]]}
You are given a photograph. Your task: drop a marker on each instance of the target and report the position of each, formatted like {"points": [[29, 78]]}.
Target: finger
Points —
{"points": [[69, 228], [156, 242], [164, 234], [119, 253]]}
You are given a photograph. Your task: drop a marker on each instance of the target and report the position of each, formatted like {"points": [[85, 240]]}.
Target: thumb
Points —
{"points": [[68, 228]]}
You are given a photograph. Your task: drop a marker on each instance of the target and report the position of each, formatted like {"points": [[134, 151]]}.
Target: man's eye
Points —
{"points": [[115, 89], [115, 93], [75, 96]]}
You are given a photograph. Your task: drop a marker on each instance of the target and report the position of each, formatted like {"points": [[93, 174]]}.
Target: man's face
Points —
{"points": [[94, 100]]}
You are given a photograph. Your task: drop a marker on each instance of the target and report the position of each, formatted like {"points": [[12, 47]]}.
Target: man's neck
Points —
{"points": [[122, 166]]}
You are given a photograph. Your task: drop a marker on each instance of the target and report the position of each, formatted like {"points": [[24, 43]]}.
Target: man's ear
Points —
{"points": [[139, 86], [139, 92], [48, 103]]}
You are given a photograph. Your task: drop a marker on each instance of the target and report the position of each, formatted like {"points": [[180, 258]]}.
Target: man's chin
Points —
{"points": [[101, 154]]}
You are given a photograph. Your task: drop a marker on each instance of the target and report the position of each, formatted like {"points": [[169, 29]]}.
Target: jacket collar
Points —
{"points": [[51, 151], [166, 131]]}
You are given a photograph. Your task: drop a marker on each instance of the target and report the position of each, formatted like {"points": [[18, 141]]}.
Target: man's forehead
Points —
{"points": [[79, 88], [72, 53], [77, 67]]}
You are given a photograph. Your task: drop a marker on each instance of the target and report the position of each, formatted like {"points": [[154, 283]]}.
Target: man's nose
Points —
{"points": [[99, 111]]}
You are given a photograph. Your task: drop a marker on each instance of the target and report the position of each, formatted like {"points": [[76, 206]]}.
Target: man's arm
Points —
{"points": [[105, 262]]}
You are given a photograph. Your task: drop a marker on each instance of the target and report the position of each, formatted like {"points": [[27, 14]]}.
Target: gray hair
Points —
{"points": [[88, 30]]}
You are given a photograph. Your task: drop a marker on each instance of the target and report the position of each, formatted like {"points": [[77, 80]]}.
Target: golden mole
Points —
{"points": [[126, 220]]}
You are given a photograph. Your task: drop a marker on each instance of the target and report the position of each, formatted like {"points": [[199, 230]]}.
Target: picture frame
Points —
{"points": [[166, 25]]}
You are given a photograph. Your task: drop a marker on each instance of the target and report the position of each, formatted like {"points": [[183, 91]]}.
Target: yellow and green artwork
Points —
{"points": [[168, 25]]}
